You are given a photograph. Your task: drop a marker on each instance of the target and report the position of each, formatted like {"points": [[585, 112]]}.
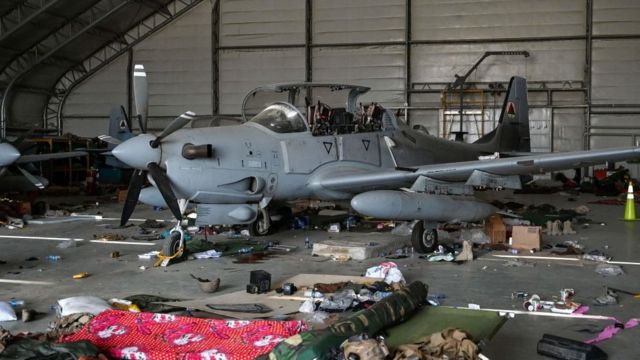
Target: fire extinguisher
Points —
{"points": [[91, 183]]}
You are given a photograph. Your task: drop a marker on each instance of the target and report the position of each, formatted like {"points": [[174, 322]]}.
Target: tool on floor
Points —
{"points": [[247, 308], [636, 295], [562, 348]]}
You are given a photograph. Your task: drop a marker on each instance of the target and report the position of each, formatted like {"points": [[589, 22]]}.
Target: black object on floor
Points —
{"points": [[246, 308], [567, 349], [261, 279]]}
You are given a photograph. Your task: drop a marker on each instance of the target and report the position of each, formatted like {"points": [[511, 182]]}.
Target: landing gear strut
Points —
{"points": [[262, 225], [424, 238]]}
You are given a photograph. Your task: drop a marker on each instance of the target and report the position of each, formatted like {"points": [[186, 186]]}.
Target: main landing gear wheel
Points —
{"points": [[424, 240], [262, 225]]}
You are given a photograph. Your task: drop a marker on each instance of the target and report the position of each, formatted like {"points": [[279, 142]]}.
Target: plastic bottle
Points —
{"points": [[15, 303], [54, 258], [307, 243]]}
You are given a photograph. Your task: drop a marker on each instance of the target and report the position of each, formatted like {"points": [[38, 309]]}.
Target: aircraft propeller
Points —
{"points": [[141, 152], [9, 155]]}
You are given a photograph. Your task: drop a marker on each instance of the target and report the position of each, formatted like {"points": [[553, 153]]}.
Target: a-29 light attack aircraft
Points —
{"points": [[302, 141]]}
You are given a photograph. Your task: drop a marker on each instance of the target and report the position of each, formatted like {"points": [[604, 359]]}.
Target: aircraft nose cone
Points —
{"points": [[137, 152], [8, 154]]}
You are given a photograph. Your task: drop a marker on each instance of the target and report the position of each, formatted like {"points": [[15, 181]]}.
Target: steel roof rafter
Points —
{"points": [[108, 53], [23, 14], [49, 46]]}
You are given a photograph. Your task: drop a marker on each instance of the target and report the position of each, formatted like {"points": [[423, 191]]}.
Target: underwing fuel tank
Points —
{"points": [[401, 205]]}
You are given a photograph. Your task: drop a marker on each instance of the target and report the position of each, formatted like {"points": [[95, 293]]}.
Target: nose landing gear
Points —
{"points": [[173, 248], [262, 226]]}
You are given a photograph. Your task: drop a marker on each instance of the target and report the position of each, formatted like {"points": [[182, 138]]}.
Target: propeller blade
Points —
{"points": [[109, 139], [175, 125], [164, 186], [34, 180], [140, 96], [133, 192]]}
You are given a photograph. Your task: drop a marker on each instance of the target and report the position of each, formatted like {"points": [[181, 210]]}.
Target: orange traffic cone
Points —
{"points": [[630, 207]]}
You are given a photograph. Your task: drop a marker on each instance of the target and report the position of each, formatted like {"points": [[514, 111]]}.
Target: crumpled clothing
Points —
{"points": [[151, 303], [5, 339], [365, 349], [29, 349], [448, 344], [123, 334], [340, 301], [109, 237], [331, 288], [67, 325], [388, 271]]}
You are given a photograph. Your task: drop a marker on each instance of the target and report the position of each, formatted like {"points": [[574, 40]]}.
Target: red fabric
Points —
{"points": [[149, 336]]}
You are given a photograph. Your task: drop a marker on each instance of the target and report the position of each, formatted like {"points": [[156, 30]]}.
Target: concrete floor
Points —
{"points": [[485, 281]]}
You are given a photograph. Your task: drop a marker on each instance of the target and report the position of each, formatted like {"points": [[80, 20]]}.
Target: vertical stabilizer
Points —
{"points": [[512, 132]]}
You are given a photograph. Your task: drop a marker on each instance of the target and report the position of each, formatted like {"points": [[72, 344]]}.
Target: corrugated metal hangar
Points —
{"points": [[319, 179]]}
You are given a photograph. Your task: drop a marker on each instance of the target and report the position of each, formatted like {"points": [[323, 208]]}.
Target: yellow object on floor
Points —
{"points": [[81, 275]]}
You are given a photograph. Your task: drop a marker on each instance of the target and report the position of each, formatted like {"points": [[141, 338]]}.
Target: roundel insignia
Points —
{"points": [[511, 110]]}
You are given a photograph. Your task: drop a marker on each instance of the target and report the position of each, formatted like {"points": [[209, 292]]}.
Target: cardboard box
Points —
{"points": [[496, 230], [122, 196], [526, 237]]}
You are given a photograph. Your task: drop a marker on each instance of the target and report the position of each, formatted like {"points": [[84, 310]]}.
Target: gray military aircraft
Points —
{"points": [[13, 177], [303, 141]]}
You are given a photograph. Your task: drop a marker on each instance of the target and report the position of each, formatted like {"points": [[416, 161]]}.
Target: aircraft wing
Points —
{"points": [[43, 157], [462, 171]]}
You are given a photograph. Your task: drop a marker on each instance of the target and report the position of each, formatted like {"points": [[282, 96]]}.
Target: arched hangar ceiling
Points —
{"points": [[48, 46]]}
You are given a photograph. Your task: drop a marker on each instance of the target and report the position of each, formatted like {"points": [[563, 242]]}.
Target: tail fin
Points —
{"points": [[512, 132], [119, 123]]}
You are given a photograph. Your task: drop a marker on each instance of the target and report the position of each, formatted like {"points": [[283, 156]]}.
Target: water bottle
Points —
{"points": [[54, 258], [15, 303], [307, 243]]}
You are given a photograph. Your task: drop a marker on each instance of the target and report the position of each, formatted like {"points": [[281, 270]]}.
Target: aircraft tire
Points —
{"points": [[262, 226], [424, 240], [171, 245]]}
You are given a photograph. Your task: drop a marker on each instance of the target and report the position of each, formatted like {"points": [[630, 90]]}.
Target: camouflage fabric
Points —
{"points": [[319, 344]]}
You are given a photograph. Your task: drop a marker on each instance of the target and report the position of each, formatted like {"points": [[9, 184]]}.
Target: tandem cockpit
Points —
{"points": [[322, 109]]}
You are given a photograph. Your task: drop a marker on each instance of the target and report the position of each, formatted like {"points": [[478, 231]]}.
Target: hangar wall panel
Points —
{"points": [[261, 22], [616, 71], [552, 60], [339, 21], [616, 17], [568, 129], [243, 70], [489, 19], [379, 67], [87, 108], [178, 64]]}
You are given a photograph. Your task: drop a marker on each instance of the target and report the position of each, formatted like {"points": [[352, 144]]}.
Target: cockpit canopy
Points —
{"points": [[322, 109], [302, 95], [282, 118]]}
